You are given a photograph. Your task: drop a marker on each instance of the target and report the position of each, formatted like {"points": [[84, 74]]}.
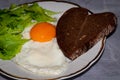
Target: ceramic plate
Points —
{"points": [[75, 67]]}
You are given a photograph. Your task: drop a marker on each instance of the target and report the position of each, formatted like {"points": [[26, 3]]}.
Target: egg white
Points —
{"points": [[44, 58], [26, 32]]}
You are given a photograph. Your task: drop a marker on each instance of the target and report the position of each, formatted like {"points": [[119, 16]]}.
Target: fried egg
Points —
{"points": [[41, 57]]}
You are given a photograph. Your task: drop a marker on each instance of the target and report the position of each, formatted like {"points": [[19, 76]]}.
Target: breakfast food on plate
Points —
{"points": [[41, 54], [28, 38], [13, 21], [79, 29]]}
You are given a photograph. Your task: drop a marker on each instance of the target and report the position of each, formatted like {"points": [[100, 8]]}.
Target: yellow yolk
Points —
{"points": [[43, 32]]}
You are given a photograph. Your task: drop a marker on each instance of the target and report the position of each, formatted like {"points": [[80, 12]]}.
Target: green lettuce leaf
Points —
{"points": [[10, 45]]}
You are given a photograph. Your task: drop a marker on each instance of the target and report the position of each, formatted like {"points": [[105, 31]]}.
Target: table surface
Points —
{"points": [[108, 67]]}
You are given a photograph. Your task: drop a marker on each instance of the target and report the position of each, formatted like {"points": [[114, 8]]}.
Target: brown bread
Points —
{"points": [[78, 30]]}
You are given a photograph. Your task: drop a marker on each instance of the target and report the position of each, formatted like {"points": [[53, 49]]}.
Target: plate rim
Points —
{"points": [[90, 64], [87, 66]]}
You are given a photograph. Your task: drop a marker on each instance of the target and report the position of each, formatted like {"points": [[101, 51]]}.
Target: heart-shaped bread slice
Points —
{"points": [[78, 30]]}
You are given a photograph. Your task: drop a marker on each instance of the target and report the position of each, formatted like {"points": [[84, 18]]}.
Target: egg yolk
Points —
{"points": [[43, 32]]}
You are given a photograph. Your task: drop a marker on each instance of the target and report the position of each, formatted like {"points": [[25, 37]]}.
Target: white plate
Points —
{"points": [[76, 67]]}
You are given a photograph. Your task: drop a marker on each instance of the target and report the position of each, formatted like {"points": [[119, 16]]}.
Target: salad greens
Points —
{"points": [[13, 21]]}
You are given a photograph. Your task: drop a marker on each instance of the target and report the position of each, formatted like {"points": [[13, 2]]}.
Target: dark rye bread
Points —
{"points": [[78, 30]]}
